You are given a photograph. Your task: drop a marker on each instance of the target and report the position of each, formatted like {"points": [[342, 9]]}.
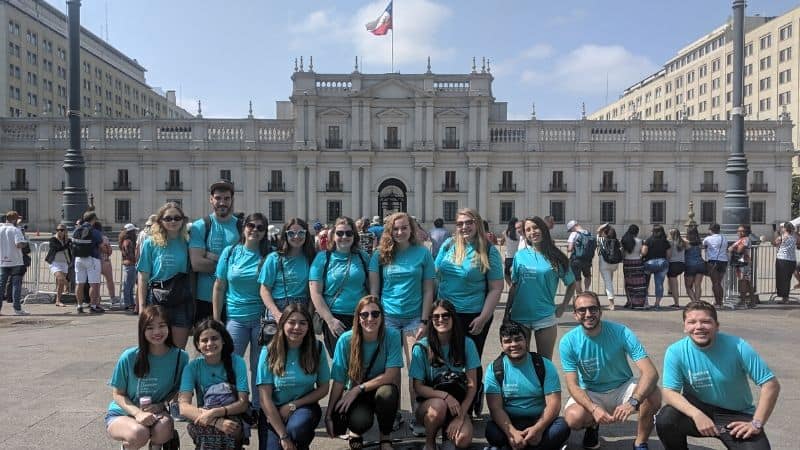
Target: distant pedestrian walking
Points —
{"points": [[633, 269]]}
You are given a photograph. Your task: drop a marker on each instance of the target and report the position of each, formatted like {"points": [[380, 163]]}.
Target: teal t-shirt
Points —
{"points": [[285, 276], [222, 234], [338, 269], [716, 375], [523, 395], [199, 376], [537, 283], [422, 370], [391, 355], [295, 382], [601, 361], [402, 281], [163, 263], [465, 285], [238, 266], [159, 382]]}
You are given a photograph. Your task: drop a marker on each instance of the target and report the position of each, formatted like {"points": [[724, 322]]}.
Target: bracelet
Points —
{"points": [[445, 396], [593, 408], [226, 410]]}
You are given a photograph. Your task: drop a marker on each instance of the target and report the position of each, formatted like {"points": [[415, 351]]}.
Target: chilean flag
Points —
{"points": [[383, 23]]}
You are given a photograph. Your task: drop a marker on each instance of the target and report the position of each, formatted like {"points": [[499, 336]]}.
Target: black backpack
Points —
{"points": [[499, 371], [585, 246], [207, 224], [82, 243], [611, 251]]}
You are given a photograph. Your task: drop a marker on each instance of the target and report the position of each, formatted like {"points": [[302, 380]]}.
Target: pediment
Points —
{"points": [[392, 88], [392, 113], [334, 113], [451, 113]]}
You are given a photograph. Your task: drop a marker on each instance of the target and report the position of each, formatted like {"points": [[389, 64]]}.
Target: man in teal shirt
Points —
{"points": [[594, 357], [205, 246], [706, 390]]}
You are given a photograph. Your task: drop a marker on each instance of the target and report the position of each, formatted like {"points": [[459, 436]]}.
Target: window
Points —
{"points": [[608, 211], [450, 138], [679, 82], [715, 65], [334, 182], [508, 182], [20, 205], [703, 71], [748, 89], [708, 211], [785, 98], [703, 88], [658, 181], [334, 210], [765, 42], [449, 208], [764, 83], [729, 78], [174, 180], [785, 32], [225, 174], [765, 104], [728, 96], [506, 211], [334, 137], [715, 84], [784, 76], [276, 182], [701, 107], [748, 70], [729, 59], [276, 211], [122, 210], [450, 184], [557, 208], [392, 138], [758, 212], [690, 77], [785, 55], [765, 63], [690, 94], [748, 49], [122, 182], [658, 211], [668, 87], [557, 183], [607, 183]]}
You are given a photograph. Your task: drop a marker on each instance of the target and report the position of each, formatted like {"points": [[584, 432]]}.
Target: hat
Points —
{"points": [[376, 220], [224, 185], [317, 226], [130, 227], [571, 224]]}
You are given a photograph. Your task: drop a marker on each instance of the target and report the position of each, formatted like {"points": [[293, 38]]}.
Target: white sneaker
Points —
{"points": [[21, 312]]}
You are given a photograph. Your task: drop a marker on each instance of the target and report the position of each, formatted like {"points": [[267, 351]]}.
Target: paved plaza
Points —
{"points": [[56, 365]]}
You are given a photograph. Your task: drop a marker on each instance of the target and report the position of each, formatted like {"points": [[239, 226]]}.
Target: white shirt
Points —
{"points": [[10, 236], [716, 247]]}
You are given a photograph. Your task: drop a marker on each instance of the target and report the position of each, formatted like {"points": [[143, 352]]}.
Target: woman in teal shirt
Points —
{"points": [[293, 376], [152, 369], [164, 255], [535, 273], [337, 280]]}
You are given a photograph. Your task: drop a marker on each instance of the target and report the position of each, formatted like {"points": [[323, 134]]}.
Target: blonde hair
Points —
{"points": [[157, 232], [480, 258], [386, 248]]}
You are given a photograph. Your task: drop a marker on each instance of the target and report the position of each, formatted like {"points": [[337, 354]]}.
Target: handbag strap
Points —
{"points": [[372, 360], [344, 281]]}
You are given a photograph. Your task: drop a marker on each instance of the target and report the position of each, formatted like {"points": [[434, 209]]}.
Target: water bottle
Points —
{"points": [[144, 402]]}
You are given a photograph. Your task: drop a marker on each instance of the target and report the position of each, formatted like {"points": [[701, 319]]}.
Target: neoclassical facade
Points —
{"points": [[365, 144]]}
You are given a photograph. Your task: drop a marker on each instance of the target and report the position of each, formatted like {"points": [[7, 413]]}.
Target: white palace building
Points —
{"points": [[366, 144]]}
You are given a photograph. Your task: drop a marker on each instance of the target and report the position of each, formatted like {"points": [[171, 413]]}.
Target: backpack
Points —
{"points": [[207, 224], [611, 251], [585, 246], [82, 244], [499, 371]]}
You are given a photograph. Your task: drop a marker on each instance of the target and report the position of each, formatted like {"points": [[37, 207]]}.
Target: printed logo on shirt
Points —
{"points": [[590, 367], [147, 386], [168, 261], [701, 380], [527, 273]]}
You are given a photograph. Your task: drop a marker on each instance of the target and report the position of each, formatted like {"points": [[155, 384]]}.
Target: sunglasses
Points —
{"points": [[442, 316], [169, 219], [296, 234], [466, 223], [583, 310], [364, 315], [61, 229], [348, 233], [257, 226]]}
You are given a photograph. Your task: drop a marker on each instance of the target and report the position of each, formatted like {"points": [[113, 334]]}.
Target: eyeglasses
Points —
{"points": [[443, 316], [348, 233], [466, 223], [257, 226], [364, 315], [169, 219], [296, 234], [584, 309]]}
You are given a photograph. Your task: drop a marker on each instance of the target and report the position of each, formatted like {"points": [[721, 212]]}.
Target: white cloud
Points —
{"points": [[510, 66], [538, 51], [317, 20]]}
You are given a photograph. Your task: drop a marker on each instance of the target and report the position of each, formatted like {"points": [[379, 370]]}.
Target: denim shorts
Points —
{"points": [[540, 324], [110, 417], [404, 326]]}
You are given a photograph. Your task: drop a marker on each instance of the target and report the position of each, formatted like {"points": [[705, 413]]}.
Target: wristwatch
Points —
{"points": [[284, 437], [633, 401], [362, 387], [757, 424], [292, 407]]}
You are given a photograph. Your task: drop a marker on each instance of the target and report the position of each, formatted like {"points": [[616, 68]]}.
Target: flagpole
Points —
{"points": [[393, 46]]}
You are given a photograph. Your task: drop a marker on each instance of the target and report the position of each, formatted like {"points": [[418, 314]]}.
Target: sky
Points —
{"points": [[556, 54]]}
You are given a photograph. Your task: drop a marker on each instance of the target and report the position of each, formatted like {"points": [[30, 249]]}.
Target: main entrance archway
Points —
{"points": [[392, 197]]}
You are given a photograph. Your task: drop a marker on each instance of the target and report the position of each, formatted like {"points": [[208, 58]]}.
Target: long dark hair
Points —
{"points": [[150, 314], [628, 240], [457, 348], [557, 259], [308, 245], [264, 245], [511, 230], [279, 345], [227, 347], [658, 235], [693, 236], [356, 365]]}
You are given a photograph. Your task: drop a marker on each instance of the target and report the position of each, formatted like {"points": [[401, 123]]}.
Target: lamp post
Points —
{"points": [[75, 201]]}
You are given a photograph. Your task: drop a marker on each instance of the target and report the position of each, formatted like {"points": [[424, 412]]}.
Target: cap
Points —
{"points": [[317, 226], [376, 219], [571, 224], [130, 227], [225, 185]]}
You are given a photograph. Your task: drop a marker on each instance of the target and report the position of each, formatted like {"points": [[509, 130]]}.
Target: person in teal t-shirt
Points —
{"points": [[284, 276], [524, 410], [206, 245], [293, 376], [163, 256], [594, 358], [219, 377], [706, 388], [366, 363], [337, 280], [151, 369], [236, 300], [535, 273], [445, 349]]}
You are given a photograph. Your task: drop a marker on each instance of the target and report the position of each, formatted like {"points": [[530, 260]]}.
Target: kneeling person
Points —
{"points": [[524, 397]]}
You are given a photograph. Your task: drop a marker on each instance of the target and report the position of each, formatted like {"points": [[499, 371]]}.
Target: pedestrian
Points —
{"points": [[633, 269], [145, 233], [785, 260], [365, 237], [741, 261], [695, 264], [490, 236], [106, 270], [86, 242], [656, 253], [581, 246], [12, 266], [59, 257], [438, 235], [610, 251], [422, 235], [677, 263], [513, 235], [127, 248], [376, 226], [716, 246]]}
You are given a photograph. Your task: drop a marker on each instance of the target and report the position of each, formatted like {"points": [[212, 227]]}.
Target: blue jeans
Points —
{"points": [[244, 334], [552, 439], [128, 284], [14, 275], [300, 427], [658, 268]]}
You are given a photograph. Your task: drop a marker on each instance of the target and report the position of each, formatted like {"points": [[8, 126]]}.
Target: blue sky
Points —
{"points": [[554, 53]]}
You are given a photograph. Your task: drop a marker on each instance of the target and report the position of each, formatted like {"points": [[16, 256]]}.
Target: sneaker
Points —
{"points": [[96, 309], [591, 437], [80, 308], [417, 429], [642, 446], [398, 421], [21, 312]]}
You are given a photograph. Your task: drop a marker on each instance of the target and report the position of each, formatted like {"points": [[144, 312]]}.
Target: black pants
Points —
{"points": [[480, 341], [784, 269], [329, 338], [553, 437], [382, 402], [673, 427]]}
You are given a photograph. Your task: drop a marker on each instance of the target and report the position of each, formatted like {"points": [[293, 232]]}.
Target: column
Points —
{"points": [[250, 186], [355, 131], [430, 210], [312, 194], [196, 180], [483, 188], [45, 215], [418, 194], [472, 189], [147, 176], [370, 208], [355, 193], [633, 210], [583, 193], [483, 134], [418, 120], [684, 188], [473, 122], [366, 132], [300, 193], [428, 124]]}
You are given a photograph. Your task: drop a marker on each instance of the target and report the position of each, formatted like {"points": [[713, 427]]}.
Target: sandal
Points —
{"points": [[356, 442]]}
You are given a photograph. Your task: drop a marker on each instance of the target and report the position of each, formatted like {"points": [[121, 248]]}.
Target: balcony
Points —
{"points": [[122, 186], [391, 143], [508, 187], [658, 187], [333, 143], [759, 187], [450, 187], [334, 187], [709, 187], [451, 143], [20, 185], [276, 187], [608, 187], [558, 187], [173, 186]]}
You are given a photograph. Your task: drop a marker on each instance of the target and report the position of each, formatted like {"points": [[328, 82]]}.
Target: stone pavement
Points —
{"points": [[56, 365]]}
